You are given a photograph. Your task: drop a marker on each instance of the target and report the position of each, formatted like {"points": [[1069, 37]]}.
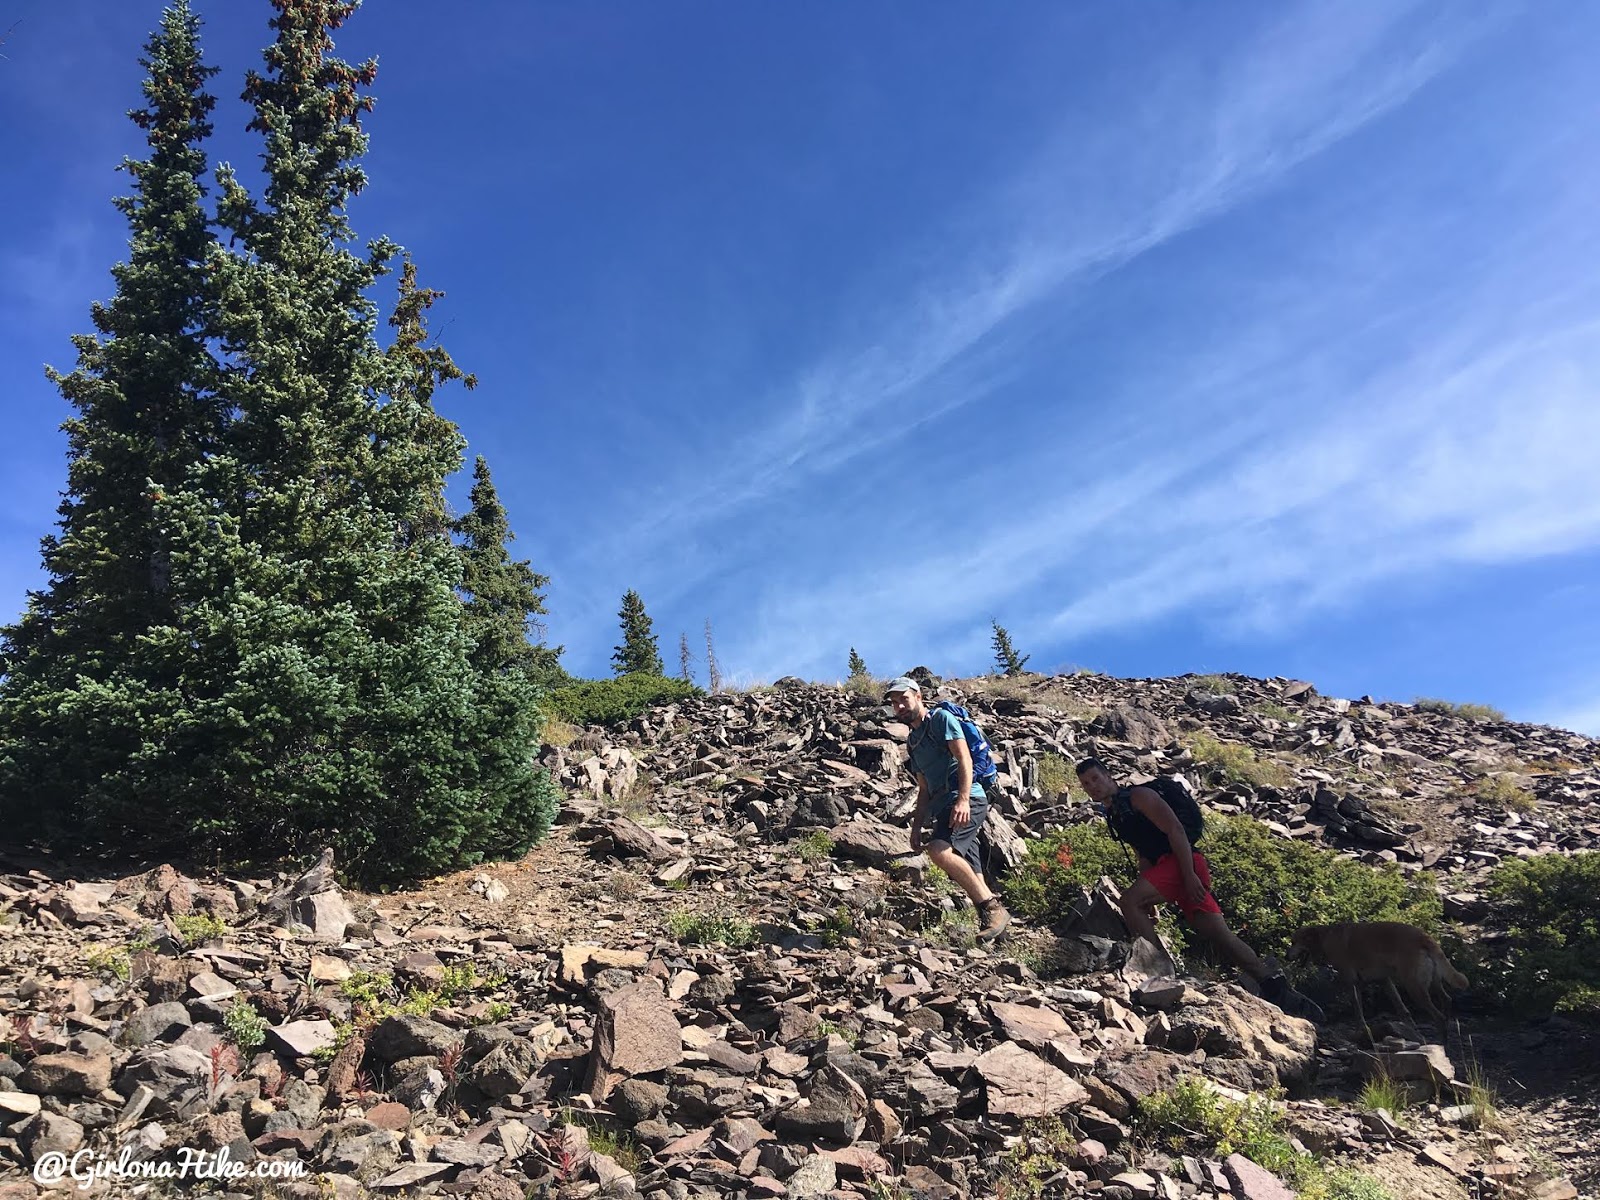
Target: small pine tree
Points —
{"points": [[1006, 661], [638, 653], [503, 594], [858, 665], [713, 671], [685, 659]]}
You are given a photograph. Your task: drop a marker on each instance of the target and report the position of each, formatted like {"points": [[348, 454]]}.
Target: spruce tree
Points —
{"points": [[1006, 661], [685, 659], [858, 665], [313, 681], [504, 595], [638, 653], [73, 705], [339, 699]]}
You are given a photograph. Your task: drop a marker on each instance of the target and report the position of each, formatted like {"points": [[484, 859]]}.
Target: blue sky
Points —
{"points": [[1228, 337]]}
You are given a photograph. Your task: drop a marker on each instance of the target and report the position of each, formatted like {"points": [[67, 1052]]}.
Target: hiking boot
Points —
{"points": [[1275, 990], [992, 919]]}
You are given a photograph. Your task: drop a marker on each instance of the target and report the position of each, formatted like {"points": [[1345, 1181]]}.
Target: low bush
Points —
{"points": [[1472, 712], [1232, 762], [200, 927], [1550, 958], [1046, 884], [1268, 886], [711, 929], [616, 701], [1055, 776], [245, 1026], [1193, 1117], [814, 847], [1505, 793], [869, 686], [1191, 1114]]}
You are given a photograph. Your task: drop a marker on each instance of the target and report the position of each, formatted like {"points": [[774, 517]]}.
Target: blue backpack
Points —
{"points": [[983, 768]]}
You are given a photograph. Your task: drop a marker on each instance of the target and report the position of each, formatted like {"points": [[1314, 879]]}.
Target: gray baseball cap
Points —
{"points": [[904, 684]]}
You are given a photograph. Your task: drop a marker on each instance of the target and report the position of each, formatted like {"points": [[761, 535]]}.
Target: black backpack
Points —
{"points": [[1133, 828]]}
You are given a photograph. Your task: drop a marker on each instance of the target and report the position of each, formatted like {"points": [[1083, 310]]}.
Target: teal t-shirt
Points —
{"points": [[931, 758]]}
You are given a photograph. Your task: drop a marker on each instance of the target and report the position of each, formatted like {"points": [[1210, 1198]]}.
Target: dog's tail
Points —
{"points": [[1442, 965]]}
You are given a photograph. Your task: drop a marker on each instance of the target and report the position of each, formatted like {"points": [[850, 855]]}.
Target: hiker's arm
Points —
{"points": [[1149, 802], [920, 817], [961, 814]]}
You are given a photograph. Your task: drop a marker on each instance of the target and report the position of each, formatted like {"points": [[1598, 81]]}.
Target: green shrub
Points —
{"points": [[1217, 685], [709, 929], [200, 927], [1268, 886], [1055, 775], [814, 847], [1045, 1143], [1231, 762], [1191, 1116], [616, 701], [245, 1026], [1502, 791], [1343, 1183], [1471, 712], [368, 988], [869, 686], [1550, 906], [1046, 883], [111, 959]]}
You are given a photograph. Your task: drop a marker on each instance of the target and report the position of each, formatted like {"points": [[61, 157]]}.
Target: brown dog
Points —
{"points": [[1388, 950]]}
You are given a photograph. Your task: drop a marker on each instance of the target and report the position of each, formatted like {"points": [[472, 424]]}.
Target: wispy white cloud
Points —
{"points": [[1091, 201], [1485, 468], [1471, 449]]}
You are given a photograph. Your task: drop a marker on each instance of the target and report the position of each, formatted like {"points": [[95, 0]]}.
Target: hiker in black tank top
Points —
{"points": [[1171, 869]]}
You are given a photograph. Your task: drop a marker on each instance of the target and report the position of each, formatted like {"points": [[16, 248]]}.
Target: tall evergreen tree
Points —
{"points": [[329, 624], [1006, 661], [638, 652], [147, 412], [685, 659], [503, 594], [858, 665], [315, 682]]}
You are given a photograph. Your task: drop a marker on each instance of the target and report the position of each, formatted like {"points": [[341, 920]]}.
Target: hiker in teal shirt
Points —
{"points": [[948, 794]]}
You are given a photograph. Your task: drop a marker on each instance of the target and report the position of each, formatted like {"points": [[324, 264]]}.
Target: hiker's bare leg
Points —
{"points": [[1139, 909], [960, 871], [1215, 930]]}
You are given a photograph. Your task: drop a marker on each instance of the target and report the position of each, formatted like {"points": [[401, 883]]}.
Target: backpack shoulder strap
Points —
{"points": [[921, 732]]}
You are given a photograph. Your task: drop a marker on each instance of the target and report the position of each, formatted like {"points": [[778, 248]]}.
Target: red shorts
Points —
{"points": [[1168, 880]]}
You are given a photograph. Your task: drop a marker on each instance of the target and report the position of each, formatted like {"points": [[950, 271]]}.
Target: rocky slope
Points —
{"points": [[685, 991]]}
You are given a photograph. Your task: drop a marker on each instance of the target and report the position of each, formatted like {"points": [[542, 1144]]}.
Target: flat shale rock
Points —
{"points": [[1021, 1084]]}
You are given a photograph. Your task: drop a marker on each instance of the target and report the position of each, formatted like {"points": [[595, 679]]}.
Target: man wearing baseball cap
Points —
{"points": [[949, 795]]}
